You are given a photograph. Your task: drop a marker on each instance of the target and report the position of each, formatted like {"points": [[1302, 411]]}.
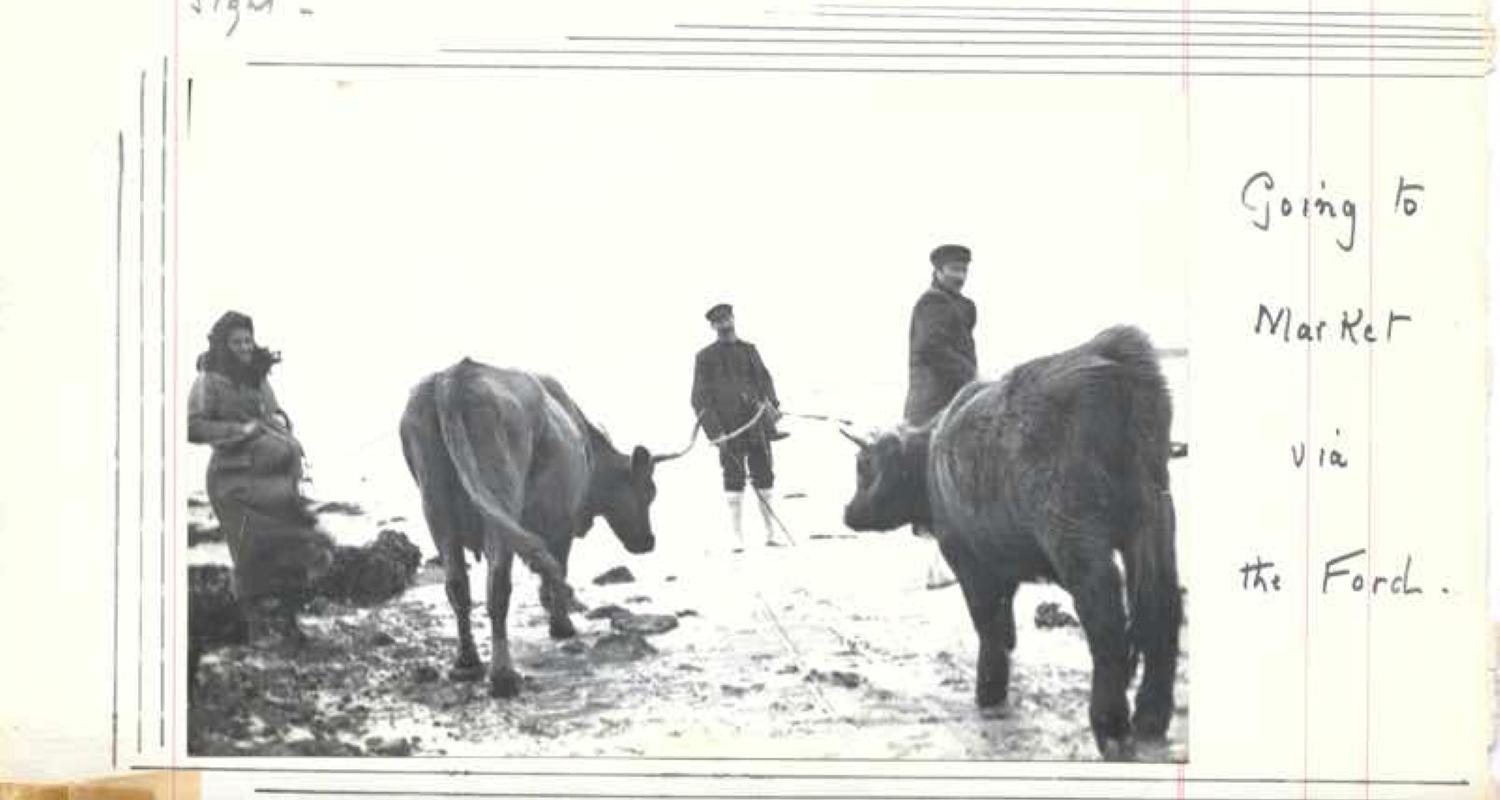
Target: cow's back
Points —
{"points": [[511, 417], [1079, 434]]}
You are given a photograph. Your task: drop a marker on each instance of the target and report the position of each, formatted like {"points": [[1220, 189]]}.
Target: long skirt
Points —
{"points": [[275, 544]]}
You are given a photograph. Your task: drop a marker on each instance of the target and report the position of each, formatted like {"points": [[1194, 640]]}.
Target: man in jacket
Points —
{"points": [[941, 359], [730, 384]]}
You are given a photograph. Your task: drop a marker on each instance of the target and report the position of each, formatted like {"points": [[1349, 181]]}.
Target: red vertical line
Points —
{"points": [[161, 399], [1307, 472], [114, 672], [1370, 408], [140, 397]]}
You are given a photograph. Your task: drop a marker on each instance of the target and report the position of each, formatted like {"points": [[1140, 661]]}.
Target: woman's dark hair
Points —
{"points": [[218, 358]]}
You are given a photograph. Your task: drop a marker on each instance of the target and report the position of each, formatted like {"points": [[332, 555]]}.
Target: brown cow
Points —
{"points": [[508, 464]]}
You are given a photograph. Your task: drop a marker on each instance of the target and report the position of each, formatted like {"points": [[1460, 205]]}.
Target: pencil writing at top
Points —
{"points": [[230, 12]]}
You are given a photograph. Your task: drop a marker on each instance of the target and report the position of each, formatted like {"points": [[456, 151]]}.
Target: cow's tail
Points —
{"points": [[1153, 592], [530, 547]]}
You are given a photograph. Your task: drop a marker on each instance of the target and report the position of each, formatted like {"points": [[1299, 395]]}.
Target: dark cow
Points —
{"points": [[508, 464], [1044, 475]]}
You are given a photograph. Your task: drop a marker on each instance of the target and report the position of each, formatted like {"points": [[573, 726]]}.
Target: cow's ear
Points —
{"points": [[640, 462]]}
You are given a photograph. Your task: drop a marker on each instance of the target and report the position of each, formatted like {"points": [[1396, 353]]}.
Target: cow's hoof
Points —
{"points": [[561, 629], [466, 673], [1001, 711], [989, 695], [1150, 726], [1117, 749], [506, 683]]}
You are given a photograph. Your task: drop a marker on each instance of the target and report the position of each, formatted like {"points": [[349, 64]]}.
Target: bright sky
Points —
{"points": [[382, 229]]}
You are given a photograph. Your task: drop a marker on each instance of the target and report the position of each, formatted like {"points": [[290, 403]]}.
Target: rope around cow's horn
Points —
{"points": [[698, 425], [1177, 449], [820, 418], [759, 412]]}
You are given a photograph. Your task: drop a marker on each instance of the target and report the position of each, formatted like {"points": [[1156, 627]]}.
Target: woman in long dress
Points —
{"points": [[252, 481]]}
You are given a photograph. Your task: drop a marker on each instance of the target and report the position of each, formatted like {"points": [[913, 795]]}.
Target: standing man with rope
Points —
{"points": [[736, 404], [941, 358]]}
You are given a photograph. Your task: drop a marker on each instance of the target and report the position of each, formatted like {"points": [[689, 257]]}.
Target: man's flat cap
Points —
{"points": [[950, 253], [719, 312]]}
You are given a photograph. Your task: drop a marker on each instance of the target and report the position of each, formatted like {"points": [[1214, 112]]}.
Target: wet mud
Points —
{"points": [[774, 652]]}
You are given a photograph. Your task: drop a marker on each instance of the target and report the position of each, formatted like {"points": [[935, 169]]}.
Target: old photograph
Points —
{"points": [[683, 416]]}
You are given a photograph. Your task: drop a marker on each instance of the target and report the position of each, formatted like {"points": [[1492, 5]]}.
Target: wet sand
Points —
{"points": [[829, 648]]}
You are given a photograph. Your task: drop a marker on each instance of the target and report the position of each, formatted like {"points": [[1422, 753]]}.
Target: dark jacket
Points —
{"points": [[729, 381], [218, 407], [942, 357]]}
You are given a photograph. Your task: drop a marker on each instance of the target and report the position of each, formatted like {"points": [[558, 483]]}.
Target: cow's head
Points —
{"points": [[892, 482], [622, 490]]}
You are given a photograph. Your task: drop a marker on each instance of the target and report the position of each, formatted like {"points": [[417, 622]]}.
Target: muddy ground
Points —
{"points": [[831, 647]]}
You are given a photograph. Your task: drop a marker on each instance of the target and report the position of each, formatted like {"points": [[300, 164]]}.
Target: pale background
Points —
{"points": [[373, 264]]}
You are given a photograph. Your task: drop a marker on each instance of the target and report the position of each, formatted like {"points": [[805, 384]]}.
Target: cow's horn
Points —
{"points": [[861, 443], [692, 439]]}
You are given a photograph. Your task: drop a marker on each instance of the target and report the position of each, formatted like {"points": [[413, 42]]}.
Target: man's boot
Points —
{"points": [[763, 499], [939, 574], [736, 515]]}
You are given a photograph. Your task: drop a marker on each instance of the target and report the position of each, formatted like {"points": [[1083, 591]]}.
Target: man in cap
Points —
{"points": [[730, 384], [941, 358]]}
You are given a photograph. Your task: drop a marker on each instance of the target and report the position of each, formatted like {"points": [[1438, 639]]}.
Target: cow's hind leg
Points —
{"points": [[1156, 611], [1154, 701], [989, 599], [449, 516], [504, 680], [1088, 571], [559, 623], [467, 667]]}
